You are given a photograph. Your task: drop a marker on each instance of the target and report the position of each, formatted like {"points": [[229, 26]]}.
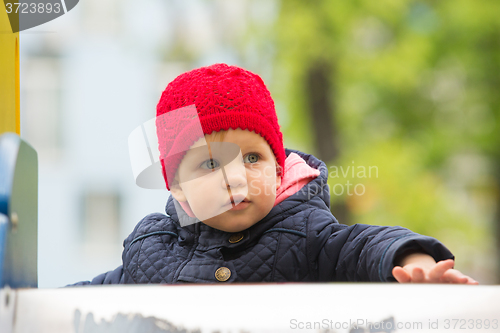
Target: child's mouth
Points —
{"points": [[241, 205], [237, 200]]}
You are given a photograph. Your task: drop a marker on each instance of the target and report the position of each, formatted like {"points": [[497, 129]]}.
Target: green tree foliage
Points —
{"points": [[414, 92]]}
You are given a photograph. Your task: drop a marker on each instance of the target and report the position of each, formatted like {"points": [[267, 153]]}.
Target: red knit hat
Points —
{"points": [[224, 97]]}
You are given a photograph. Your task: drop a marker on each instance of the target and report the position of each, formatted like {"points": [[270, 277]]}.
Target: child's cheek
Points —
{"points": [[262, 184], [256, 181], [201, 193], [255, 187]]}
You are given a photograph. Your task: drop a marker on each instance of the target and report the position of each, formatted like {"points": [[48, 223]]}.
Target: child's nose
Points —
{"points": [[235, 175]]}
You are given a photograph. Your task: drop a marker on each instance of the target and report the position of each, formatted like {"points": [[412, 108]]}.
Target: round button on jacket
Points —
{"points": [[222, 274], [235, 238]]}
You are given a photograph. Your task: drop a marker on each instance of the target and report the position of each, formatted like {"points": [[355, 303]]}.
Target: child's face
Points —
{"points": [[227, 189]]}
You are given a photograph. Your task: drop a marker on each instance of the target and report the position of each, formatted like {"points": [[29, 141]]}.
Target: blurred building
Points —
{"points": [[88, 79]]}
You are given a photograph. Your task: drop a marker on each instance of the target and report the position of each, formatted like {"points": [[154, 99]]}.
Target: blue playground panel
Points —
{"points": [[18, 212]]}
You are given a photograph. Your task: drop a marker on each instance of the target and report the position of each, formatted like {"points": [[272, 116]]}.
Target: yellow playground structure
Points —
{"points": [[9, 77]]}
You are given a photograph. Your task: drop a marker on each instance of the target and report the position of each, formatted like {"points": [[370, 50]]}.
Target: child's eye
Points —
{"points": [[251, 158], [210, 164]]}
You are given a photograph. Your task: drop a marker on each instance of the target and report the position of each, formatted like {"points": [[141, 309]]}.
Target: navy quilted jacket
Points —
{"points": [[299, 240]]}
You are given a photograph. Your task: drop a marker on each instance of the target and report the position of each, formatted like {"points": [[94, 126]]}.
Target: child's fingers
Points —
{"points": [[417, 275], [454, 276], [401, 275], [449, 277], [472, 281], [439, 269]]}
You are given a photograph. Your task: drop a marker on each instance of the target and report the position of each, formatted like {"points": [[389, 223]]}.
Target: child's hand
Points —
{"points": [[421, 268]]}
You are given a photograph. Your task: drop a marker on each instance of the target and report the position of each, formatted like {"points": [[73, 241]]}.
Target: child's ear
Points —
{"points": [[278, 176]]}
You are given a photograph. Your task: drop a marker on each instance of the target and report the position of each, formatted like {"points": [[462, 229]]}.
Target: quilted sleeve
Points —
{"points": [[111, 277], [363, 252]]}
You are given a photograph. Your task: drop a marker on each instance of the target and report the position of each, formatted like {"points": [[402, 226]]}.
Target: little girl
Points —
{"points": [[245, 209]]}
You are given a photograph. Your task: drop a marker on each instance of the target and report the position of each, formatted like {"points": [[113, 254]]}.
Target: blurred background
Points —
{"points": [[399, 98]]}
